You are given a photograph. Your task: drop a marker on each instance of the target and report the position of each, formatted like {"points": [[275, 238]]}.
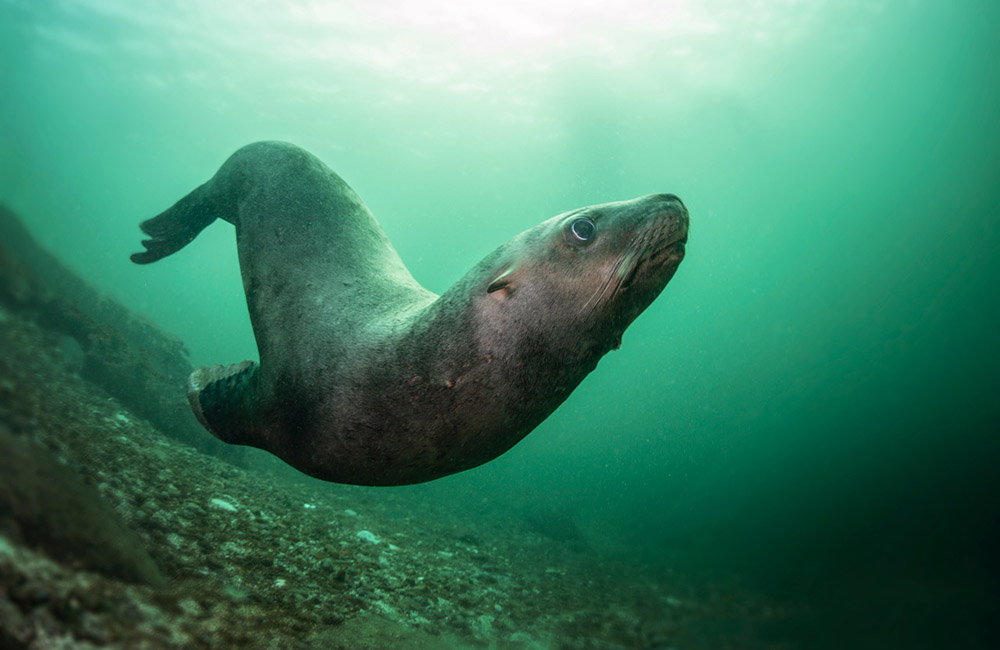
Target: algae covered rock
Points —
{"points": [[44, 505], [125, 353]]}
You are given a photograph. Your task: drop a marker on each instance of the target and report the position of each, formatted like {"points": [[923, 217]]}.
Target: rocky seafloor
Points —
{"points": [[245, 559], [118, 532]]}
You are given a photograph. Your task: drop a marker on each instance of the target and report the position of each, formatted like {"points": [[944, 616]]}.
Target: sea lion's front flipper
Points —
{"points": [[175, 228], [311, 254]]}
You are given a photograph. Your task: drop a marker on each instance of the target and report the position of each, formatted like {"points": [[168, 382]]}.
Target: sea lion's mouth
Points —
{"points": [[655, 248], [649, 258]]}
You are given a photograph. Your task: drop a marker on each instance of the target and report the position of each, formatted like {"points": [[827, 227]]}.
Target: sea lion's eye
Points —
{"points": [[583, 229]]}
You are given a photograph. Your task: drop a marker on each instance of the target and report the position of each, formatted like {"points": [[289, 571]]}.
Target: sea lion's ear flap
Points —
{"points": [[502, 281]]}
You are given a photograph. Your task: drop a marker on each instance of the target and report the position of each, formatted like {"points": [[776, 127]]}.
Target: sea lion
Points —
{"points": [[365, 377]]}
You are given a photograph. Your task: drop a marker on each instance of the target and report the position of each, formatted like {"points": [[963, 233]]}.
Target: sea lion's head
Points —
{"points": [[582, 277]]}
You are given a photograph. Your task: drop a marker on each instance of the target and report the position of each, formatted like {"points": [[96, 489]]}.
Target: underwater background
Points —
{"points": [[810, 408]]}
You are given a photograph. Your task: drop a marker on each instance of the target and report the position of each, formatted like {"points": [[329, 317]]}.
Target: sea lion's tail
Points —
{"points": [[176, 227]]}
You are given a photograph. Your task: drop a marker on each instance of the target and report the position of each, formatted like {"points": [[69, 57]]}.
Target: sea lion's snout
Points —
{"points": [[667, 198], [664, 218], [669, 208]]}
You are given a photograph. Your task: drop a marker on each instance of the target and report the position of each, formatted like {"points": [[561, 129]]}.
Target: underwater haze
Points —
{"points": [[811, 406]]}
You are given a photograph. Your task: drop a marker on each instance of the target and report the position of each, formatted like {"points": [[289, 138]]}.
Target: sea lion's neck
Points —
{"points": [[502, 342]]}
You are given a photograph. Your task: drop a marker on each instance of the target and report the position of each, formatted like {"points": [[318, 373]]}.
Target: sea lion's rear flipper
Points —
{"points": [[175, 228], [221, 397]]}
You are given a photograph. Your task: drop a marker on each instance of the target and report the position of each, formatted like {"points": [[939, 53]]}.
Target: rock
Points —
{"points": [[222, 505], [71, 353], [368, 536], [554, 523], [43, 504]]}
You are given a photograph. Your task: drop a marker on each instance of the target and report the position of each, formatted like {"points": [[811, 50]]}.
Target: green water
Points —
{"points": [[813, 401]]}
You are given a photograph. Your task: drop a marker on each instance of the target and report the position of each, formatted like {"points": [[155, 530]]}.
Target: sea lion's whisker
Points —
{"points": [[619, 271]]}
